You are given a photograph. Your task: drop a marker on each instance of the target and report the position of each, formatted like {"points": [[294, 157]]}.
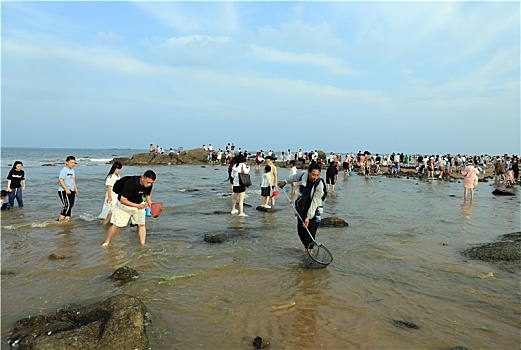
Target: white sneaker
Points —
{"points": [[105, 245], [267, 206], [243, 214], [234, 211]]}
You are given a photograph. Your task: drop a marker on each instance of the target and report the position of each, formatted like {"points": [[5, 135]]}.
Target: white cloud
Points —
{"points": [[201, 40], [99, 57], [323, 61]]}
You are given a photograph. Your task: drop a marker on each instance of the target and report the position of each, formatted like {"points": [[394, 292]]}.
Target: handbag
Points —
{"points": [[244, 179]]}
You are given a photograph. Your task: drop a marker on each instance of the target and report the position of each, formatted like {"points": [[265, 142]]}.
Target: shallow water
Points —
{"points": [[399, 259]]}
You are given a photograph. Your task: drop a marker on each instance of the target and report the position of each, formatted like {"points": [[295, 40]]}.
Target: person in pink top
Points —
{"points": [[470, 173]]}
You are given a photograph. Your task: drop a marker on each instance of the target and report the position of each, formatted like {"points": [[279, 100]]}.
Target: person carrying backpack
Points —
{"points": [[134, 195], [312, 193]]}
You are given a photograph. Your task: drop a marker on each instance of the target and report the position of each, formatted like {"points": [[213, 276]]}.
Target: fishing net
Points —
{"points": [[317, 256], [156, 209]]}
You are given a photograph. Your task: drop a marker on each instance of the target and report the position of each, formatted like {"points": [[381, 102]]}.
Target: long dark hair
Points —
{"points": [[116, 165], [16, 163]]}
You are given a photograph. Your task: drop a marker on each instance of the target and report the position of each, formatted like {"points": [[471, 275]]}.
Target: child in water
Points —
{"points": [[4, 200], [509, 178], [265, 187]]}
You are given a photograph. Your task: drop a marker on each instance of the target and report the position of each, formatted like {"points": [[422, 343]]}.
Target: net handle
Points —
{"points": [[286, 190]]}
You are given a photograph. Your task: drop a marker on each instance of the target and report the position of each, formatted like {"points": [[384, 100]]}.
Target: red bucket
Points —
{"points": [[275, 193]]}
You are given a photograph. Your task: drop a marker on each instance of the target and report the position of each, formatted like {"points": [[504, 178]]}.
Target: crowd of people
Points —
{"points": [[133, 197]]}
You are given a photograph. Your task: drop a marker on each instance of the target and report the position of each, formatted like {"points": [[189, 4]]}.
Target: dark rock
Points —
{"points": [[405, 324], [124, 273], [374, 301], [191, 190], [458, 348], [506, 251], [55, 256], [115, 323], [218, 238], [194, 156], [259, 343], [267, 210], [333, 222], [6, 273], [498, 192], [514, 236], [220, 212]]}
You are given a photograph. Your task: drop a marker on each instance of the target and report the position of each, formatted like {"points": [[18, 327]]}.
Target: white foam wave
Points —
{"points": [[104, 160], [88, 217]]}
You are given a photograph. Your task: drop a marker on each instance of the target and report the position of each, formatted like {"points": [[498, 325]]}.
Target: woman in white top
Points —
{"points": [[239, 191], [111, 198]]}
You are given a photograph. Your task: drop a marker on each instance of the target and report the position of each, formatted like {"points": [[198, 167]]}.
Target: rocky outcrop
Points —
{"points": [[194, 156], [113, 324], [507, 250]]}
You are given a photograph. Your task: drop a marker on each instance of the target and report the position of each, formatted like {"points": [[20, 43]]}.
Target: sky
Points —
{"points": [[412, 77]]}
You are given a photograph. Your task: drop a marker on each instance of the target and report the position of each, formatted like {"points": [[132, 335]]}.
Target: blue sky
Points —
{"points": [[428, 77]]}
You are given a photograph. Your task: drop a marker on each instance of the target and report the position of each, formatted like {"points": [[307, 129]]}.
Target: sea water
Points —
{"points": [[399, 259]]}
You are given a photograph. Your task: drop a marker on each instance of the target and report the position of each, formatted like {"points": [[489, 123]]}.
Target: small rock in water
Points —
{"points": [[405, 324], [124, 273], [260, 343], [498, 192], [55, 256], [218, 238], [333, 222], [459, 348], [221, 212], [268, 210], [8, 273]]}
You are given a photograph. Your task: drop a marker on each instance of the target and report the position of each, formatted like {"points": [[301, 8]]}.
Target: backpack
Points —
{"points": [[304, 201], [118, 185], [315, 186]]}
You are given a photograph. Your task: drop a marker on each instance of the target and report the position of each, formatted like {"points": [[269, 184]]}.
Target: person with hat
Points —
{"points": [[239, 190]]}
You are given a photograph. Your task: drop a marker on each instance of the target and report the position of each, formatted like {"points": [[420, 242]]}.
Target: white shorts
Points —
{"points": [[122, 213]]}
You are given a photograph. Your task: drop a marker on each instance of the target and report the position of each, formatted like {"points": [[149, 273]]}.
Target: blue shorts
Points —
{"points": [[265, 191]]}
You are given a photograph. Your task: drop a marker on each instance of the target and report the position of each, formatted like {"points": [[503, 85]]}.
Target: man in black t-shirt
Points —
{"points": [[134, 197]]}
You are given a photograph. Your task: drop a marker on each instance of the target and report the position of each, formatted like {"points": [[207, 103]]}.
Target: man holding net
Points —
{"points": [[311, 193]]}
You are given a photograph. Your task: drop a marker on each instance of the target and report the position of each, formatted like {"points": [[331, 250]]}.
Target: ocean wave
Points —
{"points": [[88, 217], [30, 225], [40, 224], [98, 160]]}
